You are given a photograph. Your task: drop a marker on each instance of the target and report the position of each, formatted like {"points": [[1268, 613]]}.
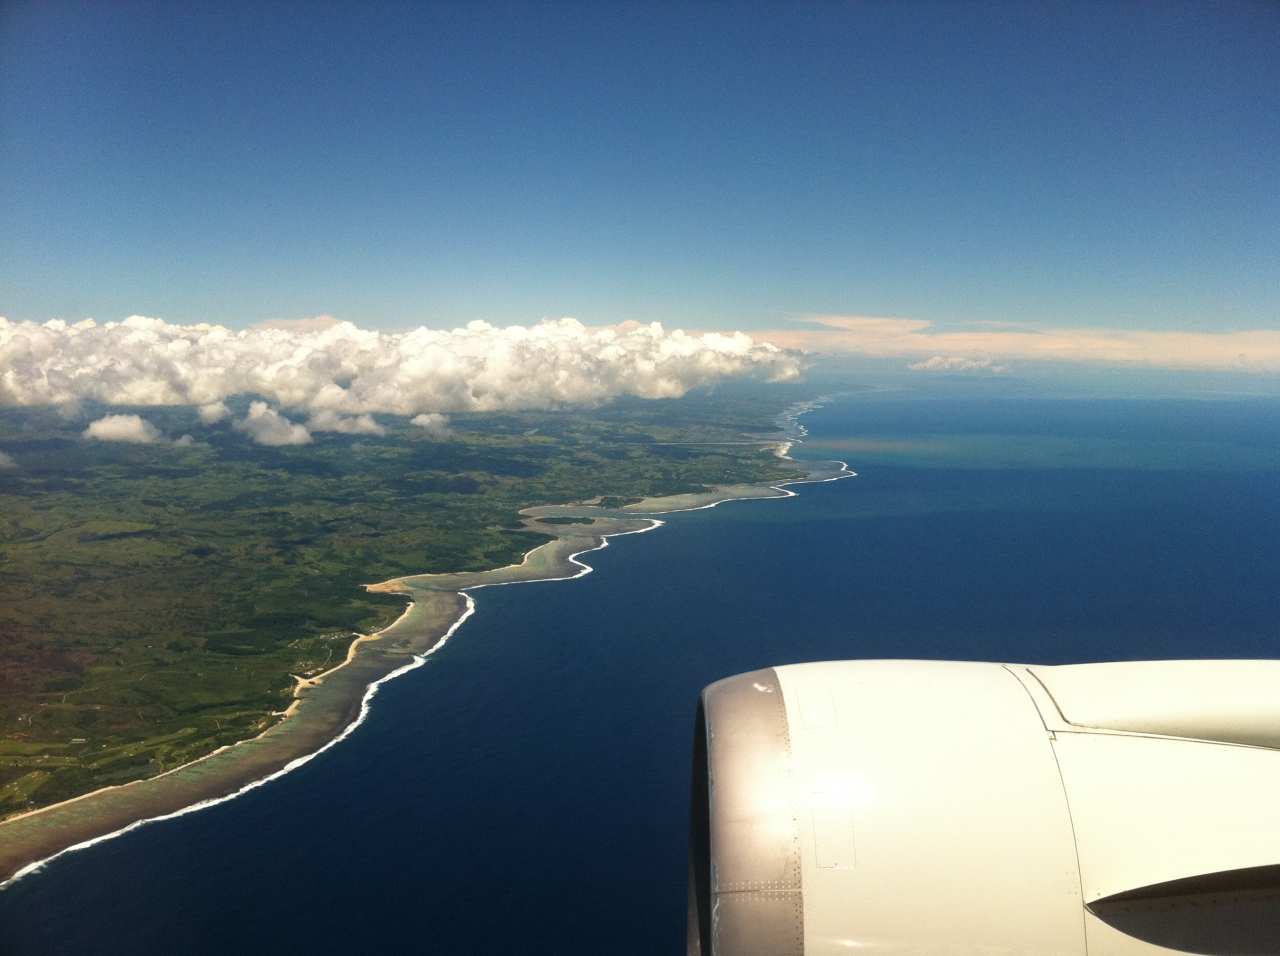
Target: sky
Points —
{"points": [[717, 166]]}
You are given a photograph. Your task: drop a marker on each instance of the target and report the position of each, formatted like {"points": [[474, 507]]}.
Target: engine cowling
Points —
{"points": [[959, 807]]}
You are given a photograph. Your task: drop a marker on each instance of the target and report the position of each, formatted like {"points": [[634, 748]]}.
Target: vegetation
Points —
{"points": [[156, 599]]}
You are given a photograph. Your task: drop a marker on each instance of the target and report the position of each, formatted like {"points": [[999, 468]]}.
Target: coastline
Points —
{"points": [[328, 707]]}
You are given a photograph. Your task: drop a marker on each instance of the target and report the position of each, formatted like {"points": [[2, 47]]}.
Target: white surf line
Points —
{"points": [[418, 661], [365, 701], [370, 692], [654, 523], [780, 486]]}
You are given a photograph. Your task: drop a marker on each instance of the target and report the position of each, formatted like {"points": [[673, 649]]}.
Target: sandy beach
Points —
{"points": [[329, 706]]}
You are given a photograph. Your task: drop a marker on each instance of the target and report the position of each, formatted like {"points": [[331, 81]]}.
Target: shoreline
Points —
{"points": [[330, 706]]}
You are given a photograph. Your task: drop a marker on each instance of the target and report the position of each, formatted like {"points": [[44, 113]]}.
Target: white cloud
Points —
{"points": [[956, 363], [330, 421], [433, 424], [189, 441], [266, 426], [6, 462], [322, 366], [126, 428], [214, 412], [1250, 351]]}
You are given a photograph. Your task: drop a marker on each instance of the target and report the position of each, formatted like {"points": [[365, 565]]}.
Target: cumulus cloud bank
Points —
{"points": [[126, 428], [339, 370], [433, 424], [214, 412], [328, 421], [266, 426], [1252, 351]]}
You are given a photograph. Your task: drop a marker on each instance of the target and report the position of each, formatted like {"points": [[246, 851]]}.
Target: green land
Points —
{"points": [[157, 601]]}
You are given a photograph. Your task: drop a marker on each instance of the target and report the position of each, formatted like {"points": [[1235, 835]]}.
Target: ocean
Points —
{"points": [[526, 791]]}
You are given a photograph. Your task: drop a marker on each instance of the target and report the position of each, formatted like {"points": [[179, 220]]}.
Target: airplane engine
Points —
{"points": [[930, 807]]}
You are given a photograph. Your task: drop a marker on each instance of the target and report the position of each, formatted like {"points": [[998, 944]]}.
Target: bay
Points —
{"points": [[526, 790]]}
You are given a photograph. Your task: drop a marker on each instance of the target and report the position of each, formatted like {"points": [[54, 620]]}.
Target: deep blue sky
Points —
{"points": [[706, 165]]}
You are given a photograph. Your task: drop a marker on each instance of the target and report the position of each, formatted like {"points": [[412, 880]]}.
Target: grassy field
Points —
{"points": [[156, 599]]}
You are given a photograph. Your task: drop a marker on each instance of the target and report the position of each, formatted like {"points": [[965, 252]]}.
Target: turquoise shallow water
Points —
{"points": [[526, 790]]}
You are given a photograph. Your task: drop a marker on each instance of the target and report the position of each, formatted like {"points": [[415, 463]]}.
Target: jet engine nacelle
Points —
{"points": [[938, 807]]}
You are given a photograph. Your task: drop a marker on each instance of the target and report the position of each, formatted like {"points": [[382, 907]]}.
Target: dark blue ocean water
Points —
{"points": [[525, 792]]}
